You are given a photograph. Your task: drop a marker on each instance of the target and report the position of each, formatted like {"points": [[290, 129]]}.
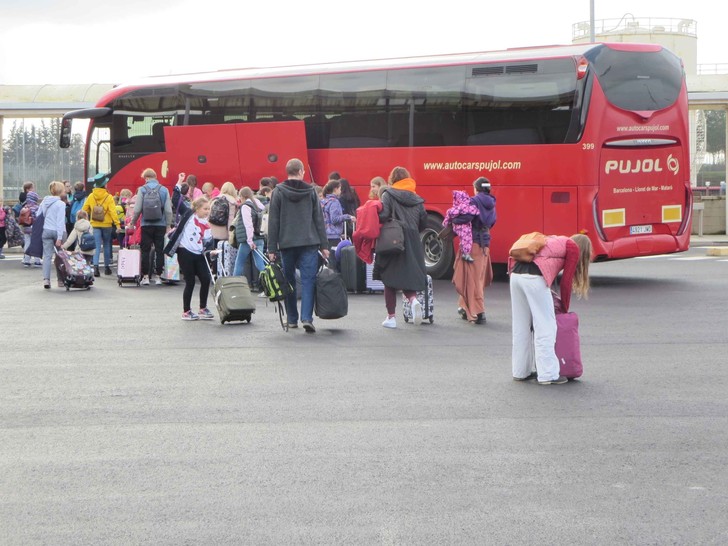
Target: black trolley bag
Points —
{"points": [[233, 299], [353, 270], [73, 269], [332, 300]]}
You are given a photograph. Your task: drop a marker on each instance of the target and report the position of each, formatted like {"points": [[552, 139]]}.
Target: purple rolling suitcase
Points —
{"points": [[567, 347]]}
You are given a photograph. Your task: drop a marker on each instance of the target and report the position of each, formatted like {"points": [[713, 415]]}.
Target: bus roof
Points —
{"points": [[508, 55]]}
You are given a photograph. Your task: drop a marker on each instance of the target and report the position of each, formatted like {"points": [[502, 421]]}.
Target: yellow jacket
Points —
{"points": [[99, 196]]}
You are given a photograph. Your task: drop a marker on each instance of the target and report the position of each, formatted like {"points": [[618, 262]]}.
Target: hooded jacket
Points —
{"points": [[102, 197], [79, 228], [485, 219], [295, 218], [54, 212], [30, 201], [407, 270]]}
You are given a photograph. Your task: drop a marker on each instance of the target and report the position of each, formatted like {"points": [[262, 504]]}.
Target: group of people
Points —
{"points": [[303, 222]]}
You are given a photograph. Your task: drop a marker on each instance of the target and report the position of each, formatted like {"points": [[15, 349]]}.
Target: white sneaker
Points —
{"points": [[157, 281], [416, 307], [390, 322], [145, 281]]}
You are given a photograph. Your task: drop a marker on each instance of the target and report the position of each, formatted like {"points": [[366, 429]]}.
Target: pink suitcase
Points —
{"points": [[129, 269], [568, 349]]}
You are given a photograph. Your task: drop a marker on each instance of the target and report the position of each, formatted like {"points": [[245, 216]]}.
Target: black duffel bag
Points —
{"points": [[332, 300]]}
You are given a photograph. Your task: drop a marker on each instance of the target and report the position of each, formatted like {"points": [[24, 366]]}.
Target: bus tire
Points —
{"points": [[439, 254]]}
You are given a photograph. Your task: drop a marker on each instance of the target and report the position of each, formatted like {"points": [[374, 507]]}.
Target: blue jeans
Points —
{"points": [[49, 238], [305, 259], [243, 252], [103, 234]]}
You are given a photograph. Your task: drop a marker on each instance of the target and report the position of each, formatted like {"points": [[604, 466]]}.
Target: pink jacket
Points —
{"points": [[560, 253]]}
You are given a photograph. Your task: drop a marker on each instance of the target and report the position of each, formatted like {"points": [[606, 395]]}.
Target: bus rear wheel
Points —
{"points": [[439, 254]]}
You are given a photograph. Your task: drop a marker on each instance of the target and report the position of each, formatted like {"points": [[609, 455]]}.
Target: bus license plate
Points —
{"points": [[639, 230]]}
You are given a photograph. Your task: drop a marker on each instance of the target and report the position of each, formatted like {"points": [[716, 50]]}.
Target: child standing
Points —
{"points": [[86, 244], [460, 215], [189, 241]]}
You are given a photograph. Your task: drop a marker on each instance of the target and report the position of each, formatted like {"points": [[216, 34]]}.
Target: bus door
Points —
{"points": [[642, 199], [560, 210], [264, 149]]}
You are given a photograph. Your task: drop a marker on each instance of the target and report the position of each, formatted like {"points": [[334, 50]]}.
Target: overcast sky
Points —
{"points": [[102, 41]]}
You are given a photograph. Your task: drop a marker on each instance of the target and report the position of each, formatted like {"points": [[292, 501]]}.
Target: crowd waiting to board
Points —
{"points": [[298, 223]]}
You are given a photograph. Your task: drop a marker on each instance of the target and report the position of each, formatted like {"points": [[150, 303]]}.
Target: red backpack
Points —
{"points": [[26, 216]]}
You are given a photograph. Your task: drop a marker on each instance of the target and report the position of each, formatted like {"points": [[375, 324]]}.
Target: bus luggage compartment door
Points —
{"points": [[265, 148]]}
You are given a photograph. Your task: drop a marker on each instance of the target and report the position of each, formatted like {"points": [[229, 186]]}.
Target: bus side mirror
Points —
{"points": [[65, 141]]}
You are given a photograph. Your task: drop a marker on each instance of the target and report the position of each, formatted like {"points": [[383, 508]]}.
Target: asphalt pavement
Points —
{"points": [[122, 424]]}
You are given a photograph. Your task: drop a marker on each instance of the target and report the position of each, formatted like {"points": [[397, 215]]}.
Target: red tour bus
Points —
{"points": [[585, 138]]}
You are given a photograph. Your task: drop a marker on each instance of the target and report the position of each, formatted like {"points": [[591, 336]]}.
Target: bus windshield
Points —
{"points": [[638, 80]]}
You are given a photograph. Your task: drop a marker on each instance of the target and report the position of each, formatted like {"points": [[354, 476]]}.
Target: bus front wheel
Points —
{"points": [[439, 254]]}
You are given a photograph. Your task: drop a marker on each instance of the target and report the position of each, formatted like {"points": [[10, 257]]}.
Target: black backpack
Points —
{"points": [[219, 212]]}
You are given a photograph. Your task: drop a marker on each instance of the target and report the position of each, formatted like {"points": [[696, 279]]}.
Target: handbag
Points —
{"points": [[391, 237]]}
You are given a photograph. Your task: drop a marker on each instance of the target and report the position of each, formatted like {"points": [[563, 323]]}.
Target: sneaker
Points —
{"points": [[462, 313], [61, 284], [416, 307], [38, 264], [390, 322], [308, 326], [26, 264], [145, 282], [530, 376], [205, 314], [97, 273], [46, 284], [189, 315], [107, 270], [560, 381], [262, 295], [480, 319], [2, 256], [157, 281], [292, 325]]}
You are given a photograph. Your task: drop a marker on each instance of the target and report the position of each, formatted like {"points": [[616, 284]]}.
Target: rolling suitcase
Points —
{"points": [[372, 285], [233, 299], [129, 266], [427, 301], [353, 270], [74, 270], [226, 258]]}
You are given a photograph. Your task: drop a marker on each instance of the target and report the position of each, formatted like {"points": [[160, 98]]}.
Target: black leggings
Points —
{"points": [[191, 265]]}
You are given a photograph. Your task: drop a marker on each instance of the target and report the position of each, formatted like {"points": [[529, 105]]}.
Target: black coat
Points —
{"points": [[405, 271]]}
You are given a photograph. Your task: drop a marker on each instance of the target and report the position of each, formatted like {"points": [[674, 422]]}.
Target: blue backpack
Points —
{"points": [[87, 241], [75, 207]]}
